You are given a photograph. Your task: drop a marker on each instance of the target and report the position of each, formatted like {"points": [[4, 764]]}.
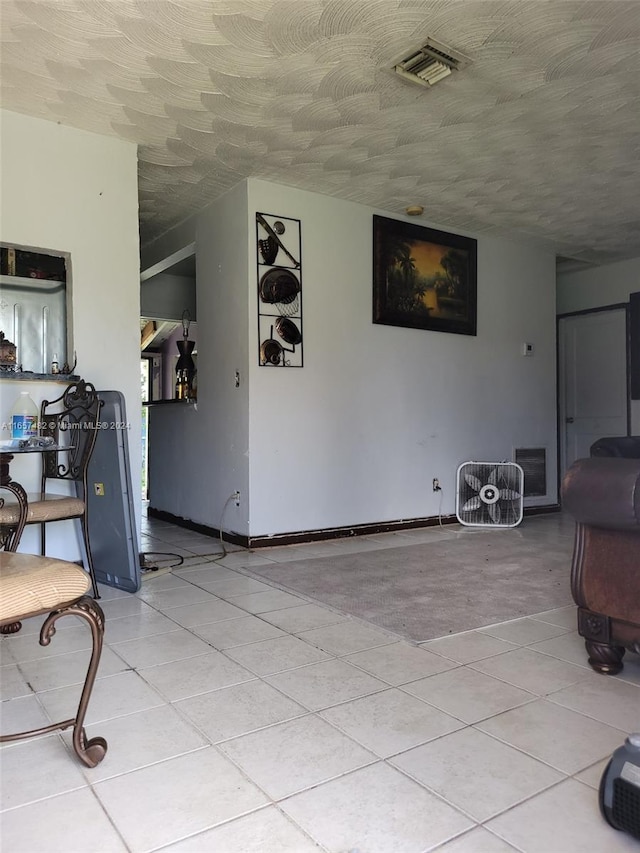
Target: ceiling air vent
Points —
{"points": [[430, 63]]}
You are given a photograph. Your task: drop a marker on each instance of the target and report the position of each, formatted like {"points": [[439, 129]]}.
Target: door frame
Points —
{"points": [[617, 306]]}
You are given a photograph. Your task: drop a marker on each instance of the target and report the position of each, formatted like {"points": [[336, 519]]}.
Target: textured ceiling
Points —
{"points": [[539, 135]]}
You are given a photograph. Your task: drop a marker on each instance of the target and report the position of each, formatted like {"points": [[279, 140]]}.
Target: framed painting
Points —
{"points": [[423, 278]]}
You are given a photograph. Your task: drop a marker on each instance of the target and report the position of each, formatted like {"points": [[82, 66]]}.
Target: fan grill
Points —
{"points": [[490, 494]]}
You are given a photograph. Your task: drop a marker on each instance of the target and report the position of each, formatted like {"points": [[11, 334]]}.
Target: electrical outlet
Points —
{"points": [[236, 498], [436, 485]]}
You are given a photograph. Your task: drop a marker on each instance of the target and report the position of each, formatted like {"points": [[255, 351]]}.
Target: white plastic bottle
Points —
{"points": [[24, 417]]}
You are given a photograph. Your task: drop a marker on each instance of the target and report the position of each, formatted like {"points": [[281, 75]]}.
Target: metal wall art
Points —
{"points": [[279, 262]]}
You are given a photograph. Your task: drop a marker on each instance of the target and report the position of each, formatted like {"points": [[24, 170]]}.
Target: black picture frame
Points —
{"points": [[411, 285]]}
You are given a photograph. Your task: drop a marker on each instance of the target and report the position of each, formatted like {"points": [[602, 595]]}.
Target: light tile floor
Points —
{"points": [[244, 719]]}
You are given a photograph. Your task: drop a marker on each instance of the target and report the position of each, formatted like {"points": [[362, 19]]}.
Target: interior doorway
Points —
{"points": [[593, 380], [150, 389], [144, 388], [167, 297]]}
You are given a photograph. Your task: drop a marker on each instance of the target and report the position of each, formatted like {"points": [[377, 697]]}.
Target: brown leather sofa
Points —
{"points": [[603, 496], [625, 446]]}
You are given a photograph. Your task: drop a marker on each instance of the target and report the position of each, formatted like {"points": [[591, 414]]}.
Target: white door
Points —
{"points": [[593, 381]]}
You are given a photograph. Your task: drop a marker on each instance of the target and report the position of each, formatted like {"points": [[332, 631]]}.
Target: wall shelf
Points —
{"points": [[170, 402], [28, 281], [28, 375]]}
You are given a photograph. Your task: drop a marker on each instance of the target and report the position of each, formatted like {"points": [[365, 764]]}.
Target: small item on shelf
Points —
{"points": [[24, 418], [8, 261], [39, 265], [185, 366], [17, 262], [55, 367], [67, 368], [37, 441], [7, 354], [183, 391]]}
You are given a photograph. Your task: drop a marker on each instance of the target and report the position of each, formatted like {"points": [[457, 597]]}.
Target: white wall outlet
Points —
{"points": [[527, 349]]}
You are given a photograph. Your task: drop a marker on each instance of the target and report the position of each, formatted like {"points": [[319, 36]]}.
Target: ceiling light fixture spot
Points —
{"points": [[414, 210]]}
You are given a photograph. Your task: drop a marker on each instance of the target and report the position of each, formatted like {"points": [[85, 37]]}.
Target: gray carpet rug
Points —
{"points": [[468, 580]]}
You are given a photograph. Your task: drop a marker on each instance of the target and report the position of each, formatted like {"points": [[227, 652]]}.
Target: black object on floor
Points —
{"points": [[620, 788], [111, 516]]}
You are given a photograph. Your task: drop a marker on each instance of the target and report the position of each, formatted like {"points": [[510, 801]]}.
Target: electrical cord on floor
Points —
{"points": [[222, 543], [440, 507], [145, 566]]}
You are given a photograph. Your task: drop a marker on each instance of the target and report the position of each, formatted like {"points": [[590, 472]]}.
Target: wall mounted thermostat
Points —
{"points": [[527, 349]]}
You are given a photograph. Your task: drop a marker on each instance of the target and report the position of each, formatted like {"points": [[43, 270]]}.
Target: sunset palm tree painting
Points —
{"points": [[423, 278]]}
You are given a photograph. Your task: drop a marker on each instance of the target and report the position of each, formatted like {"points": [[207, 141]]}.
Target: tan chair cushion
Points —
{"points": [[30, 585], [52, 508]]}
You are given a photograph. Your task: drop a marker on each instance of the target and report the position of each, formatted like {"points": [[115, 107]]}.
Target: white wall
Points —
{"points": [[198, 457], [68, 190], [357, 435], [598, 286], [166, 297], [609, 284]]}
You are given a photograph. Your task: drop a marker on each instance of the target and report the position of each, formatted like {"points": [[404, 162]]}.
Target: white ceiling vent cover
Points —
{"points": [[430, 63]]}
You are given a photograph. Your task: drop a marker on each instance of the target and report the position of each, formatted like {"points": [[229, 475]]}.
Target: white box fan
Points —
{"points": [[489, 494]]}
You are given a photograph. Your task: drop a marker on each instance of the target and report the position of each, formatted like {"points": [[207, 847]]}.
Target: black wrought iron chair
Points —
{"points": [[12, 524], [72, 421], [13, 521]]}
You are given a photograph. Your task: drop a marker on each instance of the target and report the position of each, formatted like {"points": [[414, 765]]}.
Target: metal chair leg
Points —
{"points": [[87, 547], [85, 536], [43, 538], [90, 752]]}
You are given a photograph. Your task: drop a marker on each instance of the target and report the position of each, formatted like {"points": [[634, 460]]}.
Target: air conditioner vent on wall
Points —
{"points": [[430, 63], [533, 461]]}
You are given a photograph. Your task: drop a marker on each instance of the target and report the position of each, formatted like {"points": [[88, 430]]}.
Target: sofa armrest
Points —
{"points": [[603, 492]]}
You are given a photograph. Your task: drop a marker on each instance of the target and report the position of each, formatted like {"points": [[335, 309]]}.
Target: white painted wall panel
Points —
{"points": [[357, 435], [609, 284], [198, 457], [72, 191], [598, 286]]}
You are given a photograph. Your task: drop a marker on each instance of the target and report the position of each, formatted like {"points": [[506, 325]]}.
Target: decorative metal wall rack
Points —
{"points": [[279, 264]]}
